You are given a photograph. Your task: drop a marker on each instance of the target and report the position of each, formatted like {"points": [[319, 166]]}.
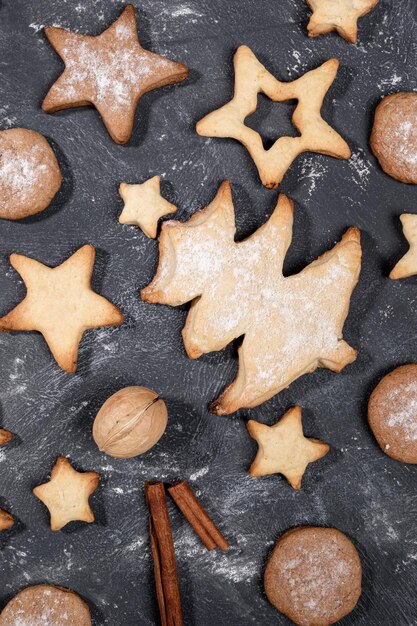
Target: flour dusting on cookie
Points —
{"points": [[291, 325], [111, 71], [29, 173], [392, 413]]}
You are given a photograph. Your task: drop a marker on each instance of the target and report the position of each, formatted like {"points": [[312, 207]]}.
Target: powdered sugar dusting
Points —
{"points": [[361, 168], [290, 324], [403, 399], [21, 173], [312, 171], [406, 140], [46, 606], [317, 572], [29, 173], [108, 73]]}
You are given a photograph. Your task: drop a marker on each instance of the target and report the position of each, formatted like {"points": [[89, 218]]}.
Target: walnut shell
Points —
{"points": [[130, 422]]}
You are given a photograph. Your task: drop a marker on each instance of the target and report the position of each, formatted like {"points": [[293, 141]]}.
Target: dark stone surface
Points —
{"points": [[355, 488]]}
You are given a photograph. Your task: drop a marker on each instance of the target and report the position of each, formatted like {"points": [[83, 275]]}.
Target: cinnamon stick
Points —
{"points": [[162, 545], [203, 525]]}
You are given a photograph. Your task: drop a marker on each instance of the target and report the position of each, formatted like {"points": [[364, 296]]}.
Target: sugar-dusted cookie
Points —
{"points": [[394, 136], [144, 205], [252, 78], [283, 449], [29, 173], [392, 413], [46, 605], [339, 15], [5, 436], [67, 493], [110, 71], [407, 265], [314, 576], [6, 521], [291, 325], [60, 304]]}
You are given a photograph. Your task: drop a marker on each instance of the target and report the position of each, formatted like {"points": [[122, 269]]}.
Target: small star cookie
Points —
{"points": [[144, 205], [339, 15], [283, 449], [6, 520], [110, 71], [66, 494], [252, 78], [407, 266], [60, 304]]}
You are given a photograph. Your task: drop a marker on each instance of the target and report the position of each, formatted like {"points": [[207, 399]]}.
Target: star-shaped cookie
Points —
{"points": [[60, 304], [407, 266], [339, 15], [110, 71], [144, 205], [66, 494], [252, 78], [283, 449]]}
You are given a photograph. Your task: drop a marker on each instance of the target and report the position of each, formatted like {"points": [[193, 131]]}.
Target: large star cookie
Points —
{"points": [[144, 205], [407, 265], [67, 493], [339, 15], [60, 304], [283, 449], [252, 78], [110, 71], [290, 324]]}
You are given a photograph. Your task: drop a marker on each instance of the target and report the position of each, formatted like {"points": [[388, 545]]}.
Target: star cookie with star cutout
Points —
{"points": [[67, 494], [110, 71], [338, 15], [407, 265], [144, 205], [252, 78], [60, 304], [283, 449]]}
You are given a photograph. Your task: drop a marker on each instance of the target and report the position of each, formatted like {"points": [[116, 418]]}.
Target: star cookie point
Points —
{"points": [[316, 135], [144, 205], [407, 265], [67, 494], [283, 448], [110, 71], [60, 304]]}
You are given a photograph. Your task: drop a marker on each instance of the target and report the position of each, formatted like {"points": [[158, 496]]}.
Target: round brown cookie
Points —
{"points": [[46, 605], [29, 173], [392, 413], [314, 576], [394, 136]]}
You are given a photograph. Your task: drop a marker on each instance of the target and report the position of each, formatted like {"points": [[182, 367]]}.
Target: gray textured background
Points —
{"points": [[355, 488]]}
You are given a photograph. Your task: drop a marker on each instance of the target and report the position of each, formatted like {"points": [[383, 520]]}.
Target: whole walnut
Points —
{"points": [[130, 422]]}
